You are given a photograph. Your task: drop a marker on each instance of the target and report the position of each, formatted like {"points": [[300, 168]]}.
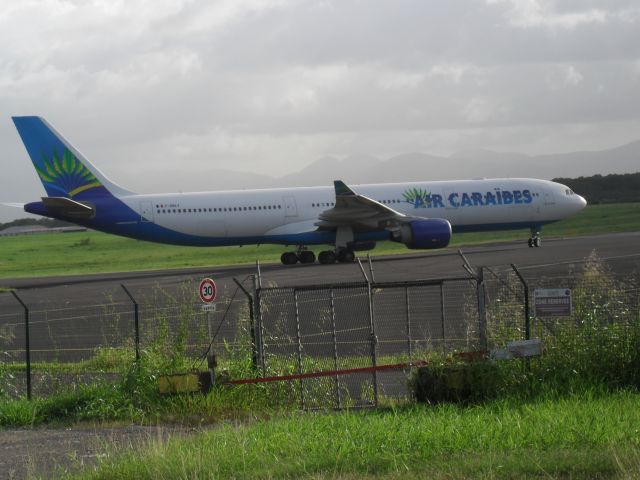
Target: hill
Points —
{"points": [[612, 188]]}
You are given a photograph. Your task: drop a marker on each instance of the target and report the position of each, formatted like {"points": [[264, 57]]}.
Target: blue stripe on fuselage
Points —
{"points": [[114, 216]]}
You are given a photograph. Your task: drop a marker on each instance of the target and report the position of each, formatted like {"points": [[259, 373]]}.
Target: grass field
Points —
{"points": [[571, 413], [583, 436], [95, 252]]}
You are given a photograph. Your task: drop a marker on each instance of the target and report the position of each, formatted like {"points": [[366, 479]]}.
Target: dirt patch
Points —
{"points": [[45, 452]]}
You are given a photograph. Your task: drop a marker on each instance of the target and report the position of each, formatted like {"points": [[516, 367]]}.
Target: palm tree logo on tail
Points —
{"points": [[66, 174]]}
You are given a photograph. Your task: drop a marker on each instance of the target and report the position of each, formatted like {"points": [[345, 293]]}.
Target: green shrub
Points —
{"points": [[598, 347]]}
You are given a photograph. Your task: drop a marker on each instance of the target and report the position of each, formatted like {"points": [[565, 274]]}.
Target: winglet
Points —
{"points": [[342, 189]]}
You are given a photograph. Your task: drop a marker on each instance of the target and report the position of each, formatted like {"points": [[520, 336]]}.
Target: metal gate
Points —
{"points": [[362, 334]]}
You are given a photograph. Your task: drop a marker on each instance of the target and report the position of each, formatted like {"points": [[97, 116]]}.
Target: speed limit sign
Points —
{"points": [[207, 290]]}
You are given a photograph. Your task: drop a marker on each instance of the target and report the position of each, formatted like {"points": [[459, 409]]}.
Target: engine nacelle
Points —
{"points": [[425, 234]]}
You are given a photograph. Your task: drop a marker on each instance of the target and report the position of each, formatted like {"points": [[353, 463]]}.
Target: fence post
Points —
{"points": [[335, 347], [136, 316], [252, 329], [527, 319], [408, 307], [478, 276], [482, 309], [373, 276], [259, 330], [372, 335], [443, 319], [299, 339], [26, 341]]}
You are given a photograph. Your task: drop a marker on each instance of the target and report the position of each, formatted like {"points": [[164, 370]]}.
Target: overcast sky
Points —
{"points": [[269, 86]]}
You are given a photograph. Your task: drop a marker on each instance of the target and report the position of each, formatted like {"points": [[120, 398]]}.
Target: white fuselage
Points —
{"points": [[275, 214]]}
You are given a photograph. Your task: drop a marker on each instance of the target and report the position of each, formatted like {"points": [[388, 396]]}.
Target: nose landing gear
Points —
{"points": [[534, 240]]}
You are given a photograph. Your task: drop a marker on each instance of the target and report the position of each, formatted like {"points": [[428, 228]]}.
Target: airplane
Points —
{"points": [[421, 215]]}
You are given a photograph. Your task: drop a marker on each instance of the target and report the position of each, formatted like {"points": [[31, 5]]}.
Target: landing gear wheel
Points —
{"points": [[306, 256], [327, 257], [536, 242], [289, 258], [530, 243], [346, 256]]}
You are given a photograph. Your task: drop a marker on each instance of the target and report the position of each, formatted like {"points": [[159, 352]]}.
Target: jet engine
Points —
{"points": [[424, 234]]}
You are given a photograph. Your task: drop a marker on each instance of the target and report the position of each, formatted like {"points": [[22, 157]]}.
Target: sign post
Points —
{"points": [[207, 291]]}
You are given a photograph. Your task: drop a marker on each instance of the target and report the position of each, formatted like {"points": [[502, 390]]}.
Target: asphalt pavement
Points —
{"points": [[557, 256]]}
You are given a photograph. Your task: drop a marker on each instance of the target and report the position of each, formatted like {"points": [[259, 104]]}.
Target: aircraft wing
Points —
{"points": [[360, 212], [14, 205]]}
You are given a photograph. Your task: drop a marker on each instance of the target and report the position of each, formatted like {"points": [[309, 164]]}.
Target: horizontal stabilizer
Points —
{"points": [[68, 208]]}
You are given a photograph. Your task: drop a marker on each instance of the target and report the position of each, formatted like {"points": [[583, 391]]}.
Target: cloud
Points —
{"points": [[543, 13], [563, 76], [271, 85]]}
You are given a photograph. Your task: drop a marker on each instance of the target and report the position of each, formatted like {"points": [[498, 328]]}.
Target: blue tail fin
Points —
{"points": [[63, 170]]}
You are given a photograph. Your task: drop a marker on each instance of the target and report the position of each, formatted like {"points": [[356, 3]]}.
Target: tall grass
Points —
{"points": [[598, 346], [120, 388], [579, 436]]}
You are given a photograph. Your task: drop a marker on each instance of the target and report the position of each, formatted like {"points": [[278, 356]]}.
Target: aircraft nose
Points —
{"points": [[582, 202]]}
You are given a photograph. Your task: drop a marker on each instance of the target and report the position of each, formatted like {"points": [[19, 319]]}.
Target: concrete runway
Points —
{"points": [[555, 258]]}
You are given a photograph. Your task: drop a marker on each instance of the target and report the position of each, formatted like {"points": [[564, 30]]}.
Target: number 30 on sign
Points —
{"points": [[207, 290]]}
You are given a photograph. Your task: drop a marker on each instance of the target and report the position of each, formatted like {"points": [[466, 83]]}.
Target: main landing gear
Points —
{"points": [[534, 240], [329, 256], [302, 256], [326, 257]]}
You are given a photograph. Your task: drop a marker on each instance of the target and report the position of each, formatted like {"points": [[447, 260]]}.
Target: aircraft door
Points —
{"points": [[290, 207], [146, 212]]}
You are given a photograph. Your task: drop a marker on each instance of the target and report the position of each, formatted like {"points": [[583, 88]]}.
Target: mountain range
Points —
{"points": [[410, 167]]}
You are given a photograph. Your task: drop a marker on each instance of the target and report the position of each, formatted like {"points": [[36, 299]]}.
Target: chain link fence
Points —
{"points": [[74, 345], [604, 306], [358, 329], [349, 333]]}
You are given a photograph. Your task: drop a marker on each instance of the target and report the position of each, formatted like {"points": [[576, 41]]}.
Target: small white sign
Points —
{"points": [[210, 307], [552, 302]]}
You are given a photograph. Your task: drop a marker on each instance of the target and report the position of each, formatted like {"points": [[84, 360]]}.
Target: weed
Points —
{"points": [[597, 347], [85, 242], [590, 435]]}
